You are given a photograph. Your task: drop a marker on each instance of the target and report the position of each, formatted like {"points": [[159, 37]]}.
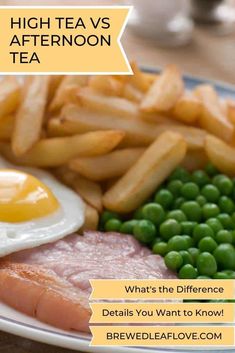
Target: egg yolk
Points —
{"points": [[24, 197]]}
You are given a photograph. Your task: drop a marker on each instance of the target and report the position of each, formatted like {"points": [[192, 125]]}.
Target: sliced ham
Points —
{"points": [[51, 282]]}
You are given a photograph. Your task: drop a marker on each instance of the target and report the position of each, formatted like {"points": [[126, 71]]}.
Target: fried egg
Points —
{"points": [[35, 208]]}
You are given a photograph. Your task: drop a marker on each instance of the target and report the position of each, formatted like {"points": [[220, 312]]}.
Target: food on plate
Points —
{"points": [[187, 109], [57, 292], [6, 127], [221, 154], [164, 92], [29, 116], [91, 220], [213, 118], [189, 220], [138, 132], [195, 160], [153, 166], [35, 208], [138, 155], [107, 166], [10, 92], [57, 151], [67, 86]]}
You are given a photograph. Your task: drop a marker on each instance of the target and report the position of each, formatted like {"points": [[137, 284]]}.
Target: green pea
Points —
{"points": [[188, 272], [224, 236], [178, 202], [211, 170], [220, 275], [225, 256], [174, 187], [206, 264], [201, 231], [233, 235], [190, 191], [201, 200], [223, 183], [210, 192], [173, 260], [233, 216], [138, 213], [189, 240], [177, 243], [160, 248], [203, 277], [145, 231], [128, 226], [187, 257], [226, 205], [187, 227], [230, 273], [200, 177], [180, 174], [154, 213], [113, 225], [210, 210], [215, 224], [207, 244], [169, 228], [226, 220], [194, 252], [192, 211], [178, 215], [107, 215], [164, 197]]}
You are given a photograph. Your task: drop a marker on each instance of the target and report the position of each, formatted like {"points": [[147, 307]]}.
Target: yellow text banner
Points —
{"points": [[149, 313], [63, 40], [162, 336], [162, 289]]}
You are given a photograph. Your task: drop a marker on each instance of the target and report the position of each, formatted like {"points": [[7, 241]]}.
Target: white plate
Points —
{"points": [[16, 323]]}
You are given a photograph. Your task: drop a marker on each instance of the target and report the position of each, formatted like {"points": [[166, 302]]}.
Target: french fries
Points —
{"points": [[91, 219], [58, 151], [220, 154], [10, 92], [138, 132], [107, 166], [114, 139], [187, 109], [213, 118], [142, 179], [55, 81], [164, 92], [231, 111], [132, 93], [89, 191], [68, 84], [139, 80], [6, 127], [195, 160], [107, 85], [29, 117], [92, 100]]}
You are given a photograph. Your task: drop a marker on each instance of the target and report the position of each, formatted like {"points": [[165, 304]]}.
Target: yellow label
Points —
{"points": [[162, 336], [63, 39], [162, 289], [149, 313]]}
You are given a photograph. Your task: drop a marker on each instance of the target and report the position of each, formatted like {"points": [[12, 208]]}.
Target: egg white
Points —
{"points": [[68, 219]]}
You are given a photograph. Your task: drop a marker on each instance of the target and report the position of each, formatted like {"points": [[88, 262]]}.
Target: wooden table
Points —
{"points": [[207, 55]]}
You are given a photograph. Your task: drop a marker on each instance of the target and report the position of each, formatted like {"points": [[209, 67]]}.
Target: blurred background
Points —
{"points": [[197, 35]]}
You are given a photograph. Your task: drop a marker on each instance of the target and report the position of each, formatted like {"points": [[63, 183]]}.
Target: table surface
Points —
{"points": [[207, 55]]}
